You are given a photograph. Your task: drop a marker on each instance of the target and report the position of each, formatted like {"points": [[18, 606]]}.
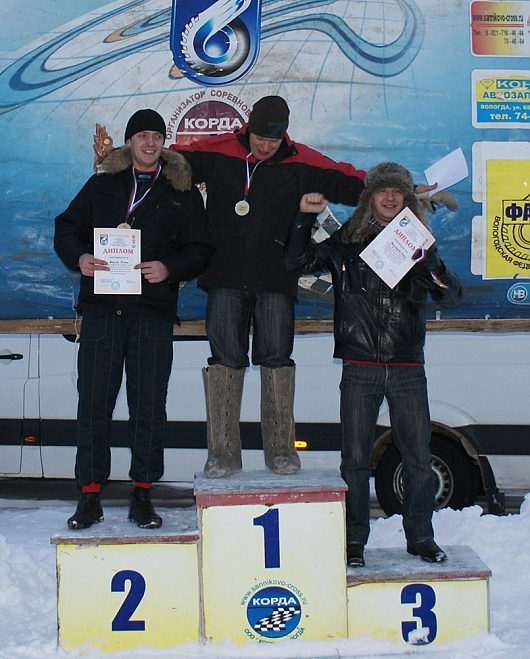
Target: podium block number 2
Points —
{"points": [[122, 620], [271, 536]]}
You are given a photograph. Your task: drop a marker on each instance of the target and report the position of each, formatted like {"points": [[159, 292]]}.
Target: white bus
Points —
{"points": [[478, 400]]}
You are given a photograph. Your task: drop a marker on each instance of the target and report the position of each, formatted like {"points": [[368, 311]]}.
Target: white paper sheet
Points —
{"points": [[121, 249], [449, 170], [390, 253]]}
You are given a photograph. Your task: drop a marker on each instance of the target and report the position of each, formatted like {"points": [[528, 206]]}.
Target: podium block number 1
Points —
{"points": [[270, 521]]}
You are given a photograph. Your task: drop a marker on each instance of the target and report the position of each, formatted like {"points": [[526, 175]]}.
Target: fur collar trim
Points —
{"points": [[175, 167]]}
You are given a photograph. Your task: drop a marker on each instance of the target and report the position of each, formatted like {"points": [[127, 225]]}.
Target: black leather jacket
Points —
{"points": [[372, 322]]}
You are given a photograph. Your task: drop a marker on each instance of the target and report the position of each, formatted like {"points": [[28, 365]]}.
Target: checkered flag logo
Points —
{"points": [[325, 225], [275, 622]]}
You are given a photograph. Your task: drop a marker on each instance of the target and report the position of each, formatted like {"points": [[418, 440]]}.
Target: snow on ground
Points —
{"points": [[28, 591]]}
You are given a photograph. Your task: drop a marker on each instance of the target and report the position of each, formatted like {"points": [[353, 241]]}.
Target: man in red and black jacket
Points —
{"points": [[255, 178]]}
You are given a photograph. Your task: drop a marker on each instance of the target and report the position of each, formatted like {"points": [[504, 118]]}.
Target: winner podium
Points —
{"points": [[273, 556], [261, 558]]}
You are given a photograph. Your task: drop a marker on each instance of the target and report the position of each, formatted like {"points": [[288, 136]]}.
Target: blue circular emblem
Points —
{"points": [[274, 612], [519, 293]]}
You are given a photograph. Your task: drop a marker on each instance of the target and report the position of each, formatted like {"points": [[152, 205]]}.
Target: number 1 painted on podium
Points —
{"points": [[271, 536]]}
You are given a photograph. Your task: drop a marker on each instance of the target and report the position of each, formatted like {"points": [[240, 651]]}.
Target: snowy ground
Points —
{"points": [[28, 595]]}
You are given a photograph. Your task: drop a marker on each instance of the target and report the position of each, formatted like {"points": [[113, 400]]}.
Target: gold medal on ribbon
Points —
{"points": [[242, 207], [124, 225]]}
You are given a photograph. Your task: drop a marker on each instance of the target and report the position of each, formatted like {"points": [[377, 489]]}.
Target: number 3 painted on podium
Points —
{"points": [[424, 611]]}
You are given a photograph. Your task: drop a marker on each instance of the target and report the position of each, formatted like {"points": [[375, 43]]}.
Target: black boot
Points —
{"points": [[141, 509], [428, 550], [355, 555], [88, 511]]}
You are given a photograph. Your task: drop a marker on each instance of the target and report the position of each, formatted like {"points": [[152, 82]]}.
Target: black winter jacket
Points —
{"points": [[372, 322], [249, 249], [173, 228]]}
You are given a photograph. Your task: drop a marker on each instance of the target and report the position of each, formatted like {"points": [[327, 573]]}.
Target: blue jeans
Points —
{"points": [[109, 341], [229, 314], [363, 387]]}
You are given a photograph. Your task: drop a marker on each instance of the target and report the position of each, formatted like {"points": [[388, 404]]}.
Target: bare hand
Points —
{"points": [[154, 271], [312, 202], [88, 263]]}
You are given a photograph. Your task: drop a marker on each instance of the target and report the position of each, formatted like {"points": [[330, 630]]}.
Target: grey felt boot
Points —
{"points": [[223, 388], [277, 421]]}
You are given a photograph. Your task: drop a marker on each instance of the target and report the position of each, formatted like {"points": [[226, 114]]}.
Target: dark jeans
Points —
{"points": [[144, 345], [228, 317], [363, 387]]}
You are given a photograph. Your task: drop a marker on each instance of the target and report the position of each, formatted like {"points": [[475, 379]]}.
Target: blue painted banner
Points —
{"points": [[364, 81]]}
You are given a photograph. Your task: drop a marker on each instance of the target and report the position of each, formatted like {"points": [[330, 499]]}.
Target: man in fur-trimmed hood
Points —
{"points": [[144, 140], [146, 187], [379, 335]]}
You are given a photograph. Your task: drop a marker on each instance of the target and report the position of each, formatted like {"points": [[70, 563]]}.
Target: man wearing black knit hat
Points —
{"points": [[254, 179], [146, 187], [380, 335]]}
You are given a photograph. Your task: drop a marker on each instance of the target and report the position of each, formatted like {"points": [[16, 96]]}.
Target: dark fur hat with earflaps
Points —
{"points": [[385, 175]]}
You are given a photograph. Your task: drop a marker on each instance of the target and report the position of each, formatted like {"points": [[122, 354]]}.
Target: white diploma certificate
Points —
{"points": [[390, 253], [121, 249]]}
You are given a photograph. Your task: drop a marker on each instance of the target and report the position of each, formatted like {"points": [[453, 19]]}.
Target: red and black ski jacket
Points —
{"points": [[249, 249]]}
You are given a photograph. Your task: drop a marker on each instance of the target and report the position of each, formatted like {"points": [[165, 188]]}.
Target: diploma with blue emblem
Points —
{"points": [[390, 252], [120, 248]]}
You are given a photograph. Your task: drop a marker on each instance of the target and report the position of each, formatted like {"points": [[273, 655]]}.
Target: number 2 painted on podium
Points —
{"points": [[271, 536], [122, 620]]}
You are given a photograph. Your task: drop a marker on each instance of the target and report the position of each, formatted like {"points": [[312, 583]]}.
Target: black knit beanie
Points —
{"points": [[269, 117], [145, 120]]}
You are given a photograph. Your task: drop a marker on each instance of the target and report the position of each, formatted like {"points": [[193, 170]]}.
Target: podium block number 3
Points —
{"points": [[122, 620], [424, 611], [271, 536]]}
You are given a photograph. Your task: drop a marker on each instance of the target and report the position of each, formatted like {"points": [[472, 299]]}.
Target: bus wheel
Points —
{"points": [[453, 475]]}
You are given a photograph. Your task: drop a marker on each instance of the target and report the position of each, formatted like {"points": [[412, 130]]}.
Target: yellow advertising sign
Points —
{"points": [[501, 98], [507, 219]]}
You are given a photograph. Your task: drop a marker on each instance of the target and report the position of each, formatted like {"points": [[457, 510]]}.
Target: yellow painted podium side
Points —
{"points": [[400, 598], [272, 556], [260, 559], [124, 589]]}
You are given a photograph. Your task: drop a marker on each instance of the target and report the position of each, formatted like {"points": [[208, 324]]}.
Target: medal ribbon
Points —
{"points": [[133, 205], [249, 175]]}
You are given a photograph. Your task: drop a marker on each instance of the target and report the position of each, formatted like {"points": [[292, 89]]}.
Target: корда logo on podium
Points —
{"points": [[215, 43]]}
